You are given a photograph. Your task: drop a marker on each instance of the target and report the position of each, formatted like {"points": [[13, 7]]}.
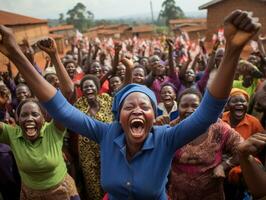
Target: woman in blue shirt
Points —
{"points": [[135, 155]]}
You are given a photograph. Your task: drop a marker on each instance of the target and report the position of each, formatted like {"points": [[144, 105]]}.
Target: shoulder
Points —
{"points": [[49, 128]]}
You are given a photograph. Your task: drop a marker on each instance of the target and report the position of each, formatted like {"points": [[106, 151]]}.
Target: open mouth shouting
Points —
{"points": [[137, 128], [30, 130], [239, 111]]}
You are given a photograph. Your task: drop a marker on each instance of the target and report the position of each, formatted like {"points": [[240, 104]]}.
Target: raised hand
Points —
{"points": [[162, 120], [48, 45], [118, 46], [170, 44], [253, 145], [7, 42], [239, 28]]}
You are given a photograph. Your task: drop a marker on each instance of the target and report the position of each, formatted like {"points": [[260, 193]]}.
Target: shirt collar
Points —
{"points": [[162, 107], [120, 141], [226, 118]]}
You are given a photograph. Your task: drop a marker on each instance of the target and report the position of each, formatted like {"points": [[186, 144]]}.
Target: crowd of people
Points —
{"points": [[135, 119]]}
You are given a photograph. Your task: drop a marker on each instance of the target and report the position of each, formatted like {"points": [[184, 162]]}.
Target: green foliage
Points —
{"points": [[80, 17], [170, 11], [61, 18]]}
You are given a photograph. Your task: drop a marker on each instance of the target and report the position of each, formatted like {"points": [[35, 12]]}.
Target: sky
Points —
{"points": [[102, 9]]}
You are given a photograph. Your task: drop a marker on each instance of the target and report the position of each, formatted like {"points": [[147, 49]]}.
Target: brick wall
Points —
{"points": [[32, 33], [217, 13]]}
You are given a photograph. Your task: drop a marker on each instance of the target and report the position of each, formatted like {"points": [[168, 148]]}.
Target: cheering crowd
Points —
{"points": [[136, 119]]}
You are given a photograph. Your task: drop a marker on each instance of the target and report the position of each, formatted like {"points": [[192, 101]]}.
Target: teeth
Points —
{"points": [[30, 126], [136, 120]]}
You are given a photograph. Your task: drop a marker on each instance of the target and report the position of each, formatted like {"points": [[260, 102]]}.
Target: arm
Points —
{"points": [[118, 48], [97, 48], [66, 85], [212, 105], [254, 174], [170, 57], [54, 102], [128, 76], [231, 143]]}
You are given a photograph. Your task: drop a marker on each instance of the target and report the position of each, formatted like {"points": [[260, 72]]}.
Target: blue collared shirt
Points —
{"points": [[145, 176]]}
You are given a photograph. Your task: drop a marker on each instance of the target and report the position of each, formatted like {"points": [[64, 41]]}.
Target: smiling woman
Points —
{"points": [[135, 155], [37, 147]]}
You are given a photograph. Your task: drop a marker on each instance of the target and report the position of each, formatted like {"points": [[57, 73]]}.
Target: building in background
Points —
{"points": [[195, 27], [143, 31], [218, 9], [24, 27]]}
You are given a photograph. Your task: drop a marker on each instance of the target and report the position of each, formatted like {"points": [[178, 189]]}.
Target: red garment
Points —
{"points": [[76, 80], [105, 87]]}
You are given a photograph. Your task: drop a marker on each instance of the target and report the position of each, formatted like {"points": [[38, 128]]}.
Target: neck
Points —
{"points": [[132, 149], [169, 107], [234, 122], [188, 84]]}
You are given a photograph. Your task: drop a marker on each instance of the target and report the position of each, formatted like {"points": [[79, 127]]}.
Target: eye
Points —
{"points": [[23, 114], [36, 114]]}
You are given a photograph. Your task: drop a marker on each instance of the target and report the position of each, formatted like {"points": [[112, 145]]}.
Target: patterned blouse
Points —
{"points": [[193, 164], [89, 151]]}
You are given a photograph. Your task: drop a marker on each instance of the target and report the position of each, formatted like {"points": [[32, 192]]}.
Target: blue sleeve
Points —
{"points": [[206, 114], [63, 112]]}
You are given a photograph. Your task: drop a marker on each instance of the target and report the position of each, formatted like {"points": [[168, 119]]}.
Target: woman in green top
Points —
{"points": [[37, 148]]}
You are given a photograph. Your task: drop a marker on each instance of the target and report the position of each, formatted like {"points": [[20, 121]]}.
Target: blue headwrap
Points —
{"points": [[124, 92]]}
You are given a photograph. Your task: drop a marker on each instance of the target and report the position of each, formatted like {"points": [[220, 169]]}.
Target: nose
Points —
{"points": [[137, 111]]}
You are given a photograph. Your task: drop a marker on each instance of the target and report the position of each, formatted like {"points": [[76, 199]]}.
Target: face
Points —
{"points": [[219, 56], [115, 83], [154, 60], [31, 120], [144, 62], [159, 70], [121, 70], [89, 90], [247, 80], [4, 95], [237, 106], [22, 93], [96, 69], [71, 69], [187, 105], [168, 96], [105, 69], [138, 75], [190, 76], [136, 117], [53, 80], [260, 101]]}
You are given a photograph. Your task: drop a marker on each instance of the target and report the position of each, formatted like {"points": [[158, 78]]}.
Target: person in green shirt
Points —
{"points": [[37, 148]]}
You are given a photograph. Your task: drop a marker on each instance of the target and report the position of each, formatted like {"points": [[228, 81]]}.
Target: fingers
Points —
{"points": [[230, 18], [243, 20]]}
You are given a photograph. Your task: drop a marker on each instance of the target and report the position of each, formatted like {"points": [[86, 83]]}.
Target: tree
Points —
{"points": [[61, 18], [170, 11], [80, 17]]}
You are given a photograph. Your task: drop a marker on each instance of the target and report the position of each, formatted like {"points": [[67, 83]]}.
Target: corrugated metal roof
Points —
{"points": [[13, 19]]}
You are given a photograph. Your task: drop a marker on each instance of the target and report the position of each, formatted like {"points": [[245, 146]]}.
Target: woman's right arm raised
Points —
{"points": [[8, 46], [45, 92]]}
